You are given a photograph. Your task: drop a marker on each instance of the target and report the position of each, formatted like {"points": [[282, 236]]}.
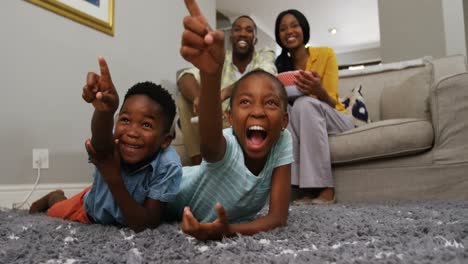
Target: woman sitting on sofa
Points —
{"points": [[317, 114]]}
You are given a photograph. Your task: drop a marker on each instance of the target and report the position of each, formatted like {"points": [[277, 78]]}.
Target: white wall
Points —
{"points": [[359, 56], [465, 18], [43, 64], [454, 26], [411, 29]]}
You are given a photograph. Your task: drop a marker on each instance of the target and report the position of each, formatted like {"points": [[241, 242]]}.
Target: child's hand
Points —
{"points": [[206, 231], [201, 46], [109, 165], [100, 91]]}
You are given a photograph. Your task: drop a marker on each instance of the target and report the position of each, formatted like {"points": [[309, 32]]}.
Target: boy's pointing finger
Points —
{"points": [[193, 8], [105, 74], [195, 25], [195, 12]]}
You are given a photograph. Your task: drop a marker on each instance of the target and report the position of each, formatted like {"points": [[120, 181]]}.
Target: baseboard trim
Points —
{"points": [[16, 193]]}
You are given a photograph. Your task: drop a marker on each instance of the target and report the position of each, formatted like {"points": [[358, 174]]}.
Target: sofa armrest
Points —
{"points": [[448, 66], [449, 111]]}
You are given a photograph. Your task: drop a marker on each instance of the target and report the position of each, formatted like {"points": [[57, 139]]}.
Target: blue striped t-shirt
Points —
{"points": [[229, 182]]}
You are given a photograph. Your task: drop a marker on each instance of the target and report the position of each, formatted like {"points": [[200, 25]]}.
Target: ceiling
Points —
{"points": [[356, 21]]}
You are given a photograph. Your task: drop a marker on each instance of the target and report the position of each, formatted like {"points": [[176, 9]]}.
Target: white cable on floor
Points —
{"points": [[15, 205]]}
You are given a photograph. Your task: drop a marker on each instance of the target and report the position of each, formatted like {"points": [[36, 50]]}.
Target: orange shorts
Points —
{"points": [[71, 209]]}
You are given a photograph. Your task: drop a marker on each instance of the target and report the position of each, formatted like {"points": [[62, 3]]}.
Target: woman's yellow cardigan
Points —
{"points": [[323, 61]]}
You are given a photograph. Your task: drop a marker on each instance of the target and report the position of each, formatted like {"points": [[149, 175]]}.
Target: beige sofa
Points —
{"points": [[416, 147]]}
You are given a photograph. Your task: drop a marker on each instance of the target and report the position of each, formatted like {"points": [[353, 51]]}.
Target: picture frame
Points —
{"points": [[97, 14]]}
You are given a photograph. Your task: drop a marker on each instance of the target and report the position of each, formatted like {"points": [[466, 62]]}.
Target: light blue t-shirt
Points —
{"points": [[229, 182], [158, 180]]}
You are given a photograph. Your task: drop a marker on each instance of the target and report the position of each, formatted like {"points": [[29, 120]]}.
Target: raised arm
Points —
{"points": [[100, 92], [204, 48]]}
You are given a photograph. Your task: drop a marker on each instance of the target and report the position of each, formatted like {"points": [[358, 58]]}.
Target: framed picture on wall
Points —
{"points": [[98, 14]]}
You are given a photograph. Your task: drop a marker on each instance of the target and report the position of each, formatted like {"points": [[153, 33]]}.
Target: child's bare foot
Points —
{"points": [[47, 201]]}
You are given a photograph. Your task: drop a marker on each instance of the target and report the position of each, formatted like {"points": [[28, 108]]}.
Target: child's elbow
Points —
{"points": [[282, 222]]}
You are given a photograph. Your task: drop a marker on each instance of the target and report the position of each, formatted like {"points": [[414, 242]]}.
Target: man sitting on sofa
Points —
{"points": [[242, 59]]}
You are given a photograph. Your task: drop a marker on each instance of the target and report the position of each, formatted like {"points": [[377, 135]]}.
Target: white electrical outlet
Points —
{"points": [[40, 158]]}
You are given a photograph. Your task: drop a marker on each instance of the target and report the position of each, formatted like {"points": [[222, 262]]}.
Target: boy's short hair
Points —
{"points": [[159, 95], [278, 84]]}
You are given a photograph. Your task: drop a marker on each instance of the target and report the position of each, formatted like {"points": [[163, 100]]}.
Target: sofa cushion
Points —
{"points": [[408, 99], [448, 66], [375, 83], [382, 139], [355, 105]]}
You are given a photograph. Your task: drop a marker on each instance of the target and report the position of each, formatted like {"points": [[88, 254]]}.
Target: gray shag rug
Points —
{"points": [[435, 232]]}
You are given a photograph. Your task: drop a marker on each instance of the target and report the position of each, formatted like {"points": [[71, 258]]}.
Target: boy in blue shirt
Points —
{"points": [[137, 172]]}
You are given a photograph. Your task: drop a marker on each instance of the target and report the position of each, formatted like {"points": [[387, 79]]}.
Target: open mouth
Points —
{"points": [[242, 43], [291, 39], [129, 147], [256, 136]]}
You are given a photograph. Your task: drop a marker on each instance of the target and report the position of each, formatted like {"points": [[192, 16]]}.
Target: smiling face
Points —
{"points": [[243, 37], [140, 129], [290, 32], [258, 115]]}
